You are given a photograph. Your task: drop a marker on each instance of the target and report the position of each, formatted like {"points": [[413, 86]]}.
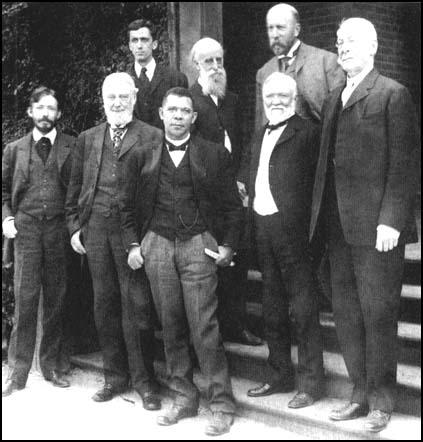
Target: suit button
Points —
{"points": [[334, 161]]}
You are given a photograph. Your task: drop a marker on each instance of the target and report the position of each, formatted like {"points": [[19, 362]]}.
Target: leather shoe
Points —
{"points": [[245, 337], [106, 393], [150, 401], [349, 411], [175, 414], [57, 380], [301, 400], [268, 389], [10, 387], [220, 423], [377, 420]]}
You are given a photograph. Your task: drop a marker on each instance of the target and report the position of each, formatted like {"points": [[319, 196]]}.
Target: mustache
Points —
{"points": [[47, 120]]}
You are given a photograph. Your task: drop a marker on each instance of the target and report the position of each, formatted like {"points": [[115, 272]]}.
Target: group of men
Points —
{"points": [[144, 206]]}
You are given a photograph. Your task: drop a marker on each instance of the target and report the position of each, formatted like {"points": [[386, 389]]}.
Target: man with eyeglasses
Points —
{"points": [[364, 193], [315, 70], [121, 301], [174, 194]]}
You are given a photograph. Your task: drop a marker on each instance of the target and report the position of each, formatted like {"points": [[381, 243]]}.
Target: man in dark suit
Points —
{"points": [[174, 194], [218, 120], [121, 302], [35, 175], [281, 171], [363, 194], [315, 70], [151, 79]]}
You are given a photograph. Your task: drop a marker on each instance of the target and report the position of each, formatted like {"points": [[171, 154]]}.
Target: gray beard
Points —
{"points": [[217, 88], [119, 119]]}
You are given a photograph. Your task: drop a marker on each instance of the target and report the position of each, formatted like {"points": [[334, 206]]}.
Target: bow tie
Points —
{"points": [[271, 127], [172, 147]]}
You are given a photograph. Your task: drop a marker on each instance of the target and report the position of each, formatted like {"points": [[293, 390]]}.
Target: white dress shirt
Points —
{"points": [[177, 155], [150, 66], [290, 53], [264, 204], [37, 135], [353, 82]]}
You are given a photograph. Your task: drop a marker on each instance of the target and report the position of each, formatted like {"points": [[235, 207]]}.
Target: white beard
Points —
{"points": [[215, 84], [119, 119], [278, 116]]}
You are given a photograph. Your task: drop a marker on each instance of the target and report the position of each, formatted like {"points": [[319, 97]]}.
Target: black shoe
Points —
{"points": [[301, 400], [151, 401], [107, 393], [220, 423], [57, 380], [10, 387], [377, 420], [349, 411], [175, 414], [267, 389], [244, 337]]}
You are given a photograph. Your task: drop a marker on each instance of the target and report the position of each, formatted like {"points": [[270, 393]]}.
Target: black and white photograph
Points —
{"points": [[211, 220]]}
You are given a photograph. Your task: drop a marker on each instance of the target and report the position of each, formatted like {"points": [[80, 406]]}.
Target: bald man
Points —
{"points": [[315, 71], [121, 302], [219, 120], [280, 182], [364, 192]]}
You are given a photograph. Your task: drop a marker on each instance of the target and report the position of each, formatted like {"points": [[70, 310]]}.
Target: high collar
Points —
{"points": [[150, 66], [37, 135]]}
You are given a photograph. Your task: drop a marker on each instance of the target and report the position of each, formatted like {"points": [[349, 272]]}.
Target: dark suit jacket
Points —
{"points": [[164, 78], [376, 162], [214, 189], [291, 174], [212, 120], [317, 73], [86, 166], [15, 169]]}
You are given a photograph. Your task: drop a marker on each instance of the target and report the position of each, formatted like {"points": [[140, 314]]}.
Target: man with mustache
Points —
{"points": [[218, 120], [364, 194], [35, 174], [121, 301], [151, 79], [280, 181], [315, 71]]}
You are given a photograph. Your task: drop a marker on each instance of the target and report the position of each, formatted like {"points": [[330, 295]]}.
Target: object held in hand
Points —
{"points": [[215, 255]]}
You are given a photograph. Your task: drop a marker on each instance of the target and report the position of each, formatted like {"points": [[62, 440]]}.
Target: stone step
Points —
{"points": [[311, 422]]}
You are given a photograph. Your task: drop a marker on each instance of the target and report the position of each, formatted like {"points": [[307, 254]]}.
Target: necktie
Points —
{"points": [[283, 63], [143, 76], [43, 147], [117, 139], [172, 147], [271, 127]]}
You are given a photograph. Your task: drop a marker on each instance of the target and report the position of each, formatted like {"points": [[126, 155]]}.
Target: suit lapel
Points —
{"points": [[98, 142], [362, 90], [23, 155], [63, 150], [198, 171], [287, 134], [300, 59], [130, 138], [157, 78]]}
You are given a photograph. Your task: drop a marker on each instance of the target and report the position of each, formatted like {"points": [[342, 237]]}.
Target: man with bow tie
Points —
{"points": [[174, 194], [35, 175], [315, 70], [364, 193], [280, 180], [219, 120], [152, 80], [121, 301]]}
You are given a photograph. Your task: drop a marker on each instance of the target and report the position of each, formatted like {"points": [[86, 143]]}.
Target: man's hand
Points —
{"points": [[9, 229], [135, 259], [77, 244], [225, 256], [387, 238]]}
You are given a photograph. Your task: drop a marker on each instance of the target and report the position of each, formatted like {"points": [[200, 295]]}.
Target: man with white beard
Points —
{"points": [[280, 182], [218, 120], [121, 295]]}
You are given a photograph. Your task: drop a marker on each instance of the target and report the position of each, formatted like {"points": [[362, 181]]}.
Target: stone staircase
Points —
{"points": [[248, 364]]}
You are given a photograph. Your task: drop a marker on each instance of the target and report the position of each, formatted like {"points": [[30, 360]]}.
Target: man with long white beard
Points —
{"points": [[280, 182], [121, 295], [218, 120]]}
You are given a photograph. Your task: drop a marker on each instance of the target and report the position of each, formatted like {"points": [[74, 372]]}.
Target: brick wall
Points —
{"points": [[399, 33]]}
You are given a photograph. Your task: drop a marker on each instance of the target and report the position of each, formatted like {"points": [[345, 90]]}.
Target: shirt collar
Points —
{"points": [[178, 142], [294, 48], [150, 66], [353, 82], [37, 135]]}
